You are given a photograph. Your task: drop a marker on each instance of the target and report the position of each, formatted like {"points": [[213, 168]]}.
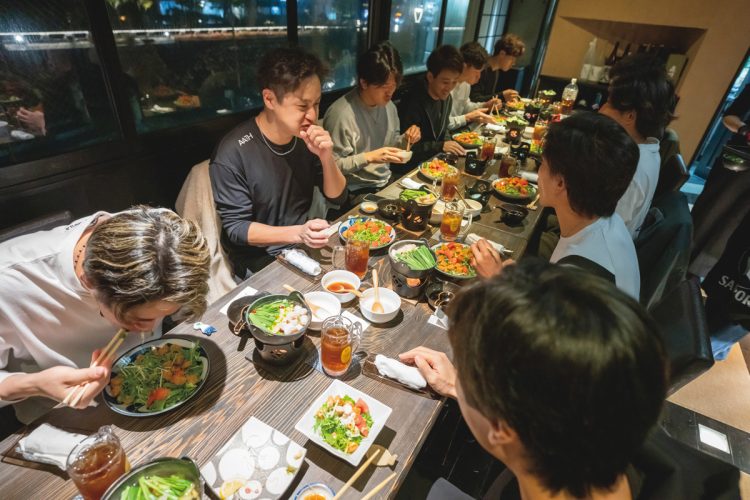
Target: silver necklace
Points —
{"points": [[294, 143]]}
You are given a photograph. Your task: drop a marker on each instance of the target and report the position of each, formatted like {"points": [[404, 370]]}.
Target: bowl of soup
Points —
{"points": [[341, 284]]}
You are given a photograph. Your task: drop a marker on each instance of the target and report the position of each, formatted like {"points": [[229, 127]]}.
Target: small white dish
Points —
{"points": [[405, 155], [388, 298], [341, 276], [378, 411], [319, 489], [368, 207], [328, 305]]}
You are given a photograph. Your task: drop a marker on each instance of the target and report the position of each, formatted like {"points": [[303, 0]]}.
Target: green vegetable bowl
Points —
{"points": [[178, 473], [401, 267], [276, 348], [143, 384]]}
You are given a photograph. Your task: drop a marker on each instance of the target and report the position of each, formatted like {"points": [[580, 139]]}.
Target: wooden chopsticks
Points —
{"points": [[76, 393], [356, 475], [379, 487]]}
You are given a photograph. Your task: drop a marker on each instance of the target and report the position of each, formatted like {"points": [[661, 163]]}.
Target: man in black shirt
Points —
{"points": [[264, 171], [504, 55], [427, 104]]}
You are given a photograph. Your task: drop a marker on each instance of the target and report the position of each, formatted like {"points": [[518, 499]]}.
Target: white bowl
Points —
{"points": [[405, 155], [378, 411], [346, 277], [329, 306], [388, 298]]}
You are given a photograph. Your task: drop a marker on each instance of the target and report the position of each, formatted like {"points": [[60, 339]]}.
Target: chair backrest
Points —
{"points": [[196, 203], [663, 246], [43, 223], [681, 317], [672, 175]]}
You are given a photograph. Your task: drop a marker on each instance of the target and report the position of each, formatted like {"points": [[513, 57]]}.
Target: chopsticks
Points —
{"points": [[379, 487], [356, 475], [408, 144], [76, 393]]}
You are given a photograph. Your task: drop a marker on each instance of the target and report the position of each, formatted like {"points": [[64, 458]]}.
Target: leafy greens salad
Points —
{"points": [[343, 423]]}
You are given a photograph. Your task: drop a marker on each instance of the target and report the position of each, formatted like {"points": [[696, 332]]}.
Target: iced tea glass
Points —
{"points": [[450, 184], [97, 462], [450, 226], [356, 257], [339, 338], [506, 165], [488, 150]]}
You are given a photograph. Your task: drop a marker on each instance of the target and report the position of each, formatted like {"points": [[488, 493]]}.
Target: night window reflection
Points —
{"points": [[414, 30]]}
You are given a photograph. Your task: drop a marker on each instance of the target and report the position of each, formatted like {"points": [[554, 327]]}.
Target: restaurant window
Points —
{"points": [[335, 30], [52, 93], [188, 61], [492, 23], [455, 22], [414, 30]]}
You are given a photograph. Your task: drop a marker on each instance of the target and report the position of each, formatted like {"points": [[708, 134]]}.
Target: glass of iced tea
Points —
{"points": [[507, 164], [450, 184], [450, 227], [339, 338], [488, 150], [356, 257], [97, 462]]}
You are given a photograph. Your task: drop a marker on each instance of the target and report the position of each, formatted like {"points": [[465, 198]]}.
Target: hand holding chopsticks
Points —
{"points": [[76, 393]]}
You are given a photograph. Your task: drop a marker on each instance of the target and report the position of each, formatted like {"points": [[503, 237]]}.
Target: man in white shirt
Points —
{"points": [[641, 98], [464, 110], [587, 164]]}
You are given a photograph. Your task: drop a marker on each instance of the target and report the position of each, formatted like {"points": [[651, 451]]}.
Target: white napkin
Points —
{"points": [[472, 238], [439, 319], [410, 183], [495, 127], [356, 319], [49, 445], [530, 176], [161, 109], [407, 375], [298, 259], [21, 135]]}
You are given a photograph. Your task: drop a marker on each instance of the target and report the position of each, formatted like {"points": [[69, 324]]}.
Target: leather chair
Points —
{"points": [[672, 175], [663, 246], [42, 223], [681, 317]]}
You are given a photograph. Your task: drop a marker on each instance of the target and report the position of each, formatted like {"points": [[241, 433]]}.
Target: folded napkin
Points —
{"points": [[161, 109], [472, 238], [298, 259], [410, 183], [21, 135], [530, 176], [49, 445], [495, 127], [407, 375]]}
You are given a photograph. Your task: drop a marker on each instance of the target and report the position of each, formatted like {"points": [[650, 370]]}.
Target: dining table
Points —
{"points": [[241, 385]]}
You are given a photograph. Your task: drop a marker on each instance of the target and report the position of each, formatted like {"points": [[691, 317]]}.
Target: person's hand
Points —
{"points": [[486, 260], [384, 155], [318, 141], [435, 367], [312, 234], [495, 101], [413, 134], [32, 121], [510, 95], [56, 383], [479, 115], [454, 147]]}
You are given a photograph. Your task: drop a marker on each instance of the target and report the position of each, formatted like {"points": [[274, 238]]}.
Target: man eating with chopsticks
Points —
{"points": [[464, 110], [68, 290]]}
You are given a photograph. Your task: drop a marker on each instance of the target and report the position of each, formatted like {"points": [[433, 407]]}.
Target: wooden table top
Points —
{"points": [[238, 389]]}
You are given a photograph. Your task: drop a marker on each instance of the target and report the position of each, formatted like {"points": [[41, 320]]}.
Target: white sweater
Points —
{"points": [[461, 105], [47, 317]]}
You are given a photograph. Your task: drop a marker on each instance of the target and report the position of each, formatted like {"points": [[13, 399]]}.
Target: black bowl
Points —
{"points": [[513, 214], [390, 209]]}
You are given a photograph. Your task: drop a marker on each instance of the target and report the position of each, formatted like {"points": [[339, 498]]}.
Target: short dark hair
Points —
{"points": [[597, 159], [445, 57], [378, 63], [474, 55], [282, 70], [572, 364], [640, 83], [511, 44]]}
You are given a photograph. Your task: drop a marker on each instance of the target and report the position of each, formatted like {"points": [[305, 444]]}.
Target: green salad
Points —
{"points": [[343, 423], [173, 487], [159, 378]]}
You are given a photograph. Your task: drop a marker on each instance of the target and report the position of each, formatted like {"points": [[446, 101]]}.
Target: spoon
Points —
{"points": [[336, 288], [377, 307]]}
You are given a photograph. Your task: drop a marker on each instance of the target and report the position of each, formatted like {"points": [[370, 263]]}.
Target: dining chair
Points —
{"points": [[672, 175], [663, 246]]}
